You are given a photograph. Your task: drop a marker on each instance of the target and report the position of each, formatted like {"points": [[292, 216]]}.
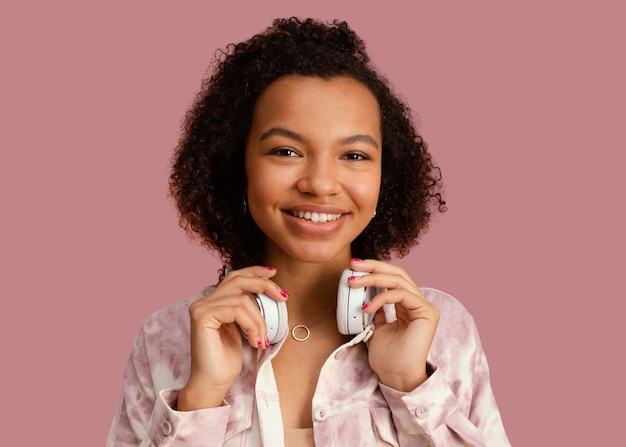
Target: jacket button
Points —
{"points": [[166, 428], [320, 415], [422, 412]]}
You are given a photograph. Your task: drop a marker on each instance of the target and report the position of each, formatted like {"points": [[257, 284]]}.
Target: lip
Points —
{"points": [[310, 228], [313, 208]]}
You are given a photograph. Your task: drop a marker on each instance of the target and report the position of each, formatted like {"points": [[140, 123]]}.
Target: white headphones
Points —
{"points": [[350, 317], [275, 315]]}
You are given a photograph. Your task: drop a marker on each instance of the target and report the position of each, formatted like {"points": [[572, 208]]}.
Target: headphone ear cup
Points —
{"points": [[351, 319], [343, 297], [275, 315]]}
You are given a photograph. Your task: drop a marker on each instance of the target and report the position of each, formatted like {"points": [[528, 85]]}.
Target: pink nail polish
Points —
{"points": [[353, 278], [366, 305], [259, 342], [267, 342], [283, 293], [269, 267], [356, 260]]}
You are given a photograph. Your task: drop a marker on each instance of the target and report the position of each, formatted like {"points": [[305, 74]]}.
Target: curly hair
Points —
{"points": [[208, 178]]}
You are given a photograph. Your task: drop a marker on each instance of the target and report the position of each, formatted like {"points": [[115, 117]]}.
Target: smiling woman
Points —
{"points": [[302, 169], [209, 180], [313, 166]]}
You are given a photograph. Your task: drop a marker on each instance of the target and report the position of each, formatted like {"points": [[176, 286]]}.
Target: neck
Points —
{"points": [[312, 288]]}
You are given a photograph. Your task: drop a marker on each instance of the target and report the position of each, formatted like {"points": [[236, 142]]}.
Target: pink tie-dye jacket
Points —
{"points": [[454, 407]]}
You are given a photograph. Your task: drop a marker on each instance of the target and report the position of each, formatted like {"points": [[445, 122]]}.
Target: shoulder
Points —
{"points": [[167, 330], [161, 348], [171, 318], [449, 307], [456, 338]]}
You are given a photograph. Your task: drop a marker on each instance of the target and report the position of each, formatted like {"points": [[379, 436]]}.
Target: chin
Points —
{"points": [[318, 256]]}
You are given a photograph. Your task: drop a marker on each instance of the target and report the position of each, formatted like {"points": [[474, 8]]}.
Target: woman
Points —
{"points": [[297, 162]]}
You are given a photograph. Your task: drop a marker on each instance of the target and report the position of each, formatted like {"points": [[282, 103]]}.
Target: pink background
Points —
{"points": [[523, 104]]}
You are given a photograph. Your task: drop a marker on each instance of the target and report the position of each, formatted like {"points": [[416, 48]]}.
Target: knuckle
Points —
{"points": [[401, 271], [196, 309], [436, 313], [239, 308], [248, 329]]}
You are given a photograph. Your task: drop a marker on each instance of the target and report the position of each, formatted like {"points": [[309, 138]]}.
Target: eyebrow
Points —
{"points": [[280, 131], [283, 133], [360, 139]]}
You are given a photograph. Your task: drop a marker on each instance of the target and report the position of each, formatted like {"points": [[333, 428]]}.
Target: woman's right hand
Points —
{"points": [[216, 348]]}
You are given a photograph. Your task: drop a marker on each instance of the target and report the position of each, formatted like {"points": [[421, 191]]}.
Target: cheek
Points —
{"points": [[367, 190], [259, 194], [264, 190]]}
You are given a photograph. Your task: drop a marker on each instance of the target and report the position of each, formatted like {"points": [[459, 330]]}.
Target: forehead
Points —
{"points": [[309, 101], [303, 86]]}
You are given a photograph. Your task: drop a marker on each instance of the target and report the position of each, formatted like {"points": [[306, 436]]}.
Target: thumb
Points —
{"points": [[379, 318]]}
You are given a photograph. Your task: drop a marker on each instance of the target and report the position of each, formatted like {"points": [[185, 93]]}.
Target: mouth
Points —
{"points": [[315, 217]]}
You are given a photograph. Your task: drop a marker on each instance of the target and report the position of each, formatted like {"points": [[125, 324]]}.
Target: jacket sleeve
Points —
{"points": [[456, 405], [146, 416]]}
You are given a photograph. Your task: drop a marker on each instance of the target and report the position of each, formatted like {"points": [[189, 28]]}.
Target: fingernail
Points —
{"points": [[283, 293], [366, 305], [353, 278], [259, 342], [267, 342], [356, 260], [269, 267]]}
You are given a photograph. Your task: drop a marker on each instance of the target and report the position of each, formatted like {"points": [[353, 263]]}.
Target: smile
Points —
{"points": [[315, 217]]}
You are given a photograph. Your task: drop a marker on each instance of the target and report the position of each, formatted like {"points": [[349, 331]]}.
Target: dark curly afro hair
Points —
{"points": [[208, 177]]}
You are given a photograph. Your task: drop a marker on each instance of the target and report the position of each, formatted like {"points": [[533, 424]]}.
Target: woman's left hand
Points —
{"points": [[397, 350]]}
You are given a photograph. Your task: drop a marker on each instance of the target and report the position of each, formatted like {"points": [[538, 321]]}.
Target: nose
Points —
{"points": [[320, 177]]}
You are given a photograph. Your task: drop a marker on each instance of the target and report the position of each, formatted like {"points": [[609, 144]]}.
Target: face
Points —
{"points": [[313, 165]]}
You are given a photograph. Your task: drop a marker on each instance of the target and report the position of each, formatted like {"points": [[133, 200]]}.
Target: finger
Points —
{"points": [[252, 271], [251, 284], [374, 266], [210, 316], [383, 281], [415, 306]]}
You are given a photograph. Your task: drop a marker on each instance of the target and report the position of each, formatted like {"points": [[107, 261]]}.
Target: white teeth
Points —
{"points": [[316, 217]]}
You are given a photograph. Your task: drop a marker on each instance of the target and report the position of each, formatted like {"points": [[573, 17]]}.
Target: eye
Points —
{"points": [[284, 152], [356, 156]]}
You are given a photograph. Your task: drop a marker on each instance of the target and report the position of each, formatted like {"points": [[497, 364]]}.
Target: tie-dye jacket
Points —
{"points": [[454, 407]]}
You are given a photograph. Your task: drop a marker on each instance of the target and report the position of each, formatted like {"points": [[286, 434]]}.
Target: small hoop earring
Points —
{"points": [[244, 205], [374, 215]]}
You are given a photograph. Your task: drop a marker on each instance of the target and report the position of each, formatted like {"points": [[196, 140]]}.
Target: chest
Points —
{"points": [[336, 393], [297, 369]]}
